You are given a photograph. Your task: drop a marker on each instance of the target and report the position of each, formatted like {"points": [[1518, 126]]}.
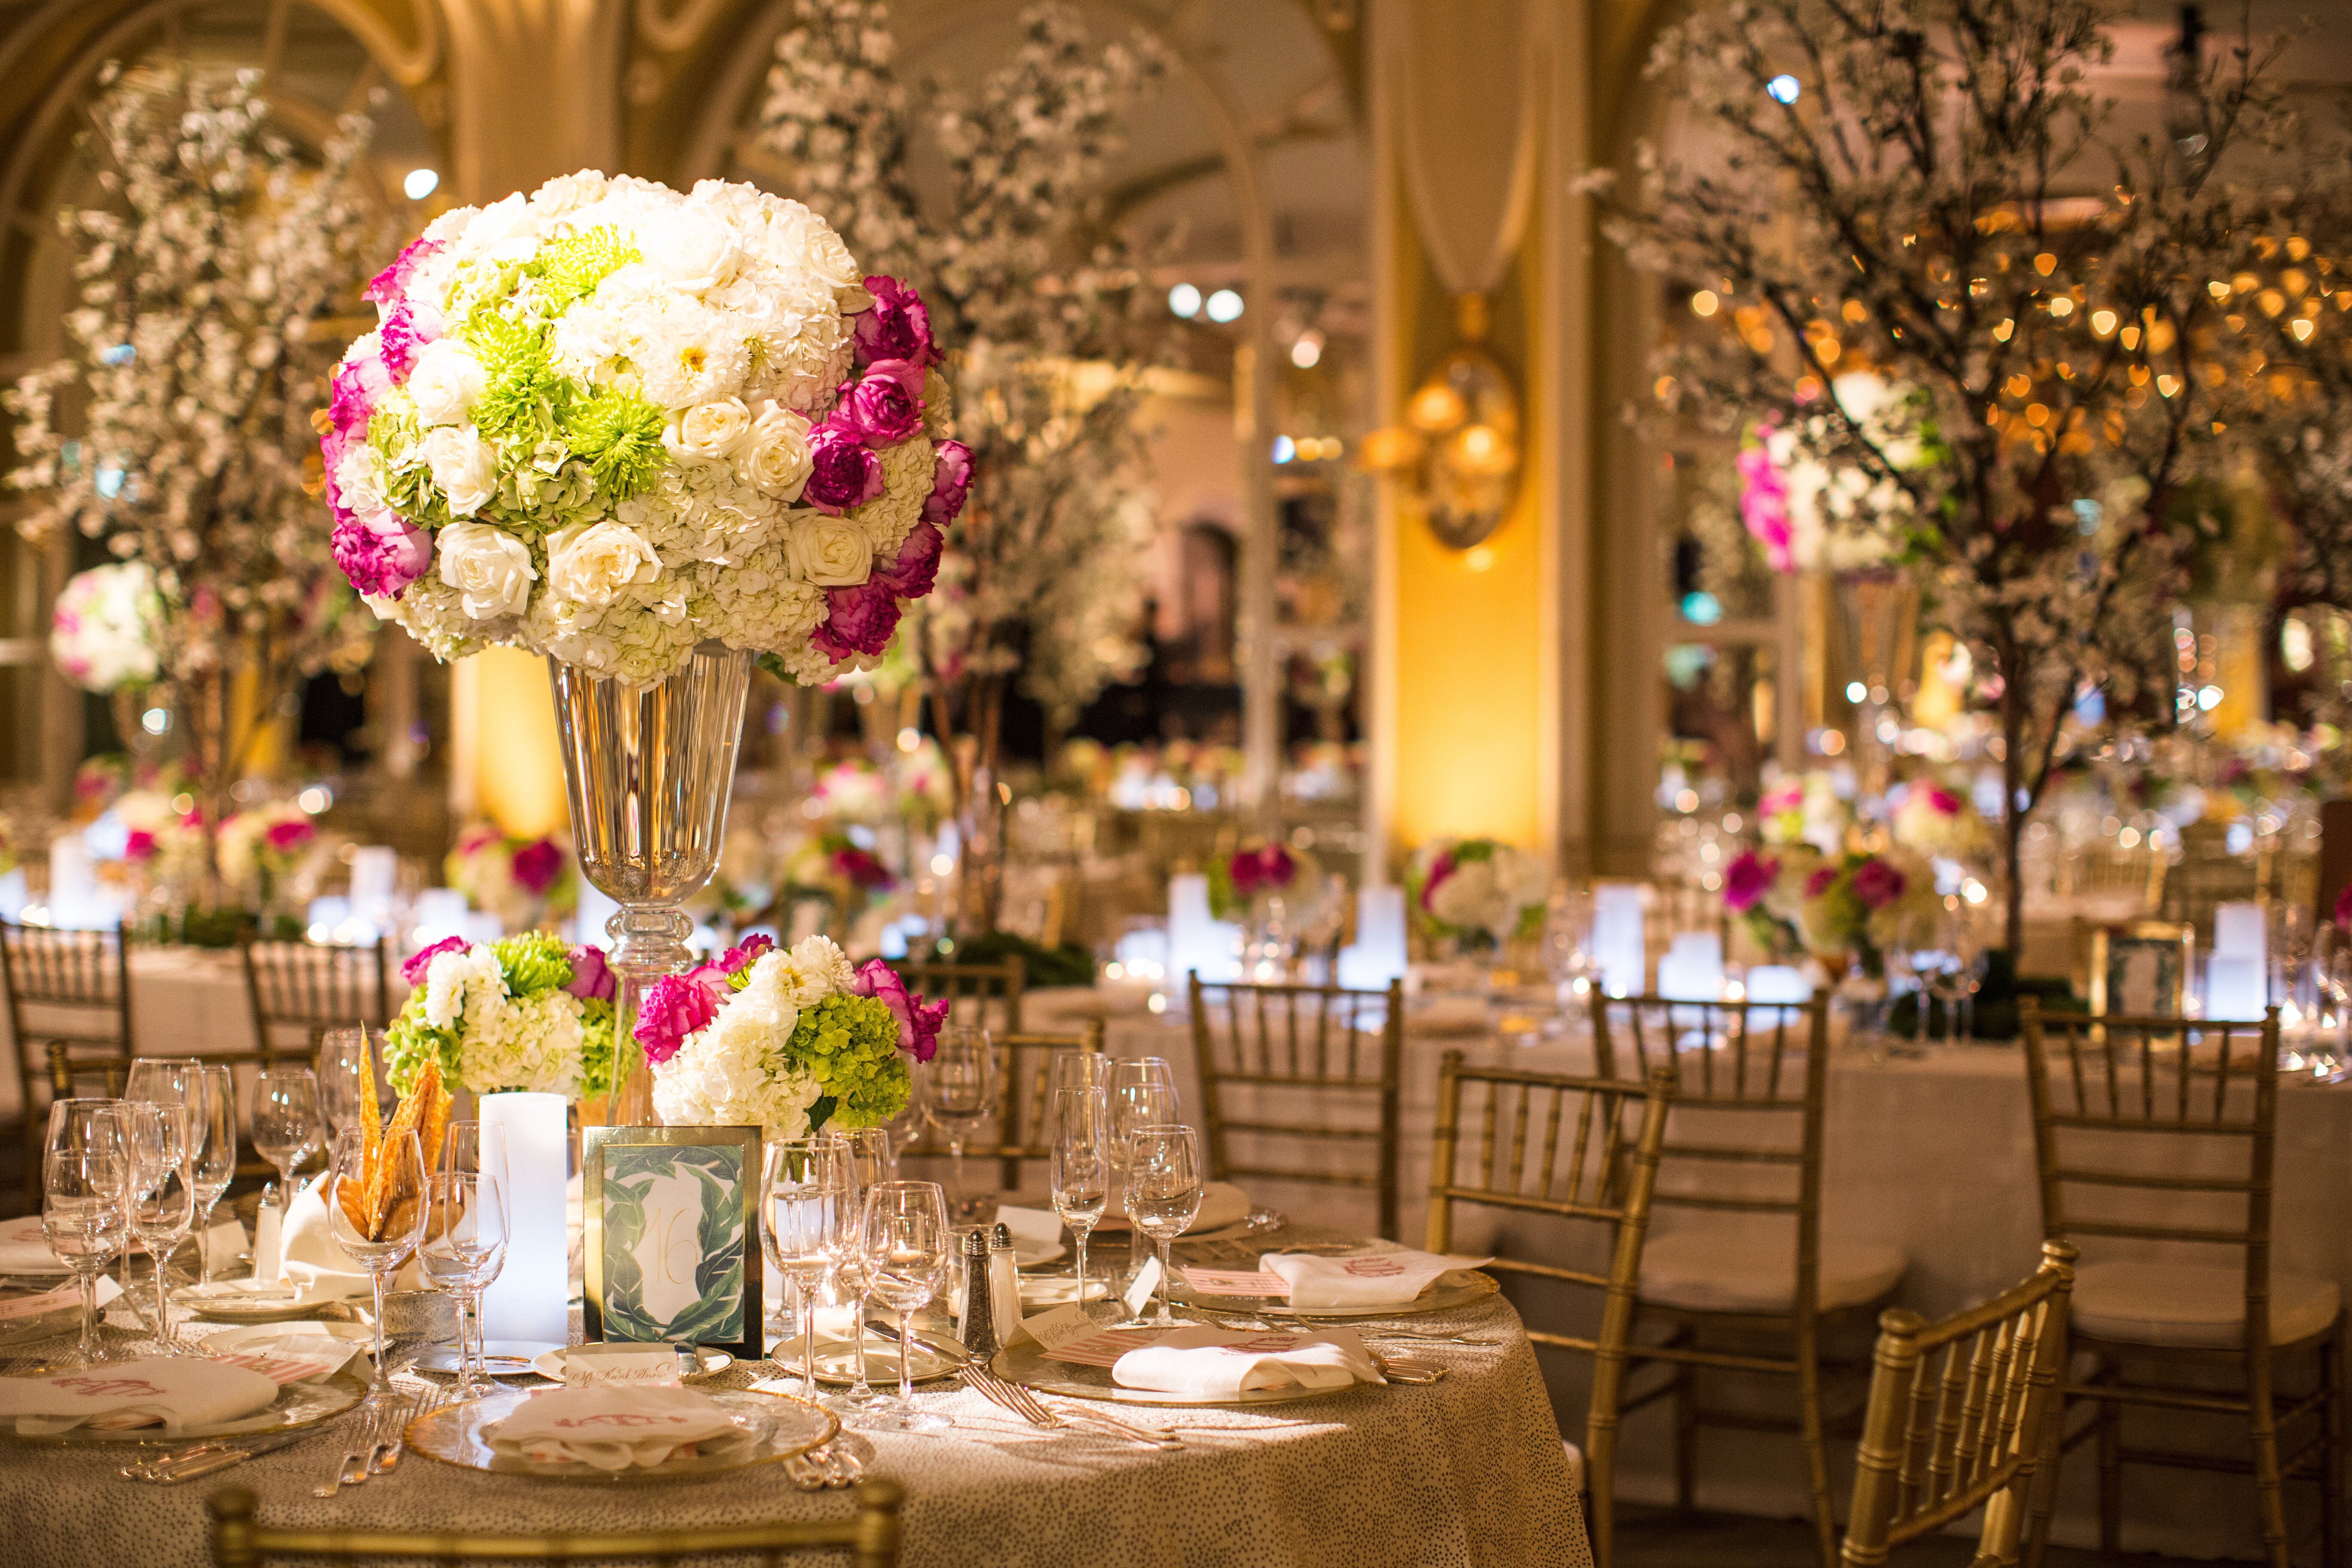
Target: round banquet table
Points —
{"points": [[1467, 1470]]}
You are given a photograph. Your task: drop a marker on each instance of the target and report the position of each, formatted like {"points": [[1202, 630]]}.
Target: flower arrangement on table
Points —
{"points": [[1805, 808], [1844, 909], [1477, 890], [1938, 822], [1810, 513], [837, 867], [256, 850], [102, 629], [164, 843], [792, 1041], [924, 781], [521, 1013], [852, 790], [521, 881], [610, 422], [1260, 869]]}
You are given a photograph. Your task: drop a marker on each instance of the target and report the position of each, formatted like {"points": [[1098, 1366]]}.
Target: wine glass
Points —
{"points": [[906, 1246], [85, 1168], [1079, 1169], [161, 1194], [1078, 1069], [342, 1054], [961, 1082], [872, 1162], [160, 1081], [465, 1246], [804, 1224], [285, 1120], [212, 1122], [1164, 1194], [379, 1240], [1142, 1091]]}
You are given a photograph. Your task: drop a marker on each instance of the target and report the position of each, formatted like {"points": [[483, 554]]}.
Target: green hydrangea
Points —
{"points": [[533, 961], [411, 1042], [850, 1046]]}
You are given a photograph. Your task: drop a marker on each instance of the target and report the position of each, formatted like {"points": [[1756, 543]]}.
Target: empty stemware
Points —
{"points": [[466, 1245], [1079, 1169], [160, 1195], [906, 1246], [804, 1224], [872, 1162], [85, 1168], [1164, 1194], [212, 1124], [959, 1086], [285, 1119]]}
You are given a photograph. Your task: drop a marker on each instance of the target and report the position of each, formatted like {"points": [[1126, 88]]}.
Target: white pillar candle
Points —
{"points": [[1778, 982], [2240, 931], [1617, 941], [2234, 989], [1691, 969], [528, 1300], [1196, 940], [376, 878], [1377, 955]]}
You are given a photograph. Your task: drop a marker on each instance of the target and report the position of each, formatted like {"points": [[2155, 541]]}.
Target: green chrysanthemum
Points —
{"points": [[569, 269], [619, 434], [533, 963]]}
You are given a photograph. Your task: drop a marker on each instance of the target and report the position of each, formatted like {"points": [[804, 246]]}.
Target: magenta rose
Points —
{"points": [[1441, 868], [1745, 881], [862, 869], [919, 1021], [897, 325], [414, 969], [537, 865], [1820, 881], [1941, 801], [392, 281], [407, 328], [140, 844], [951, 483], [880, 410], [677, 1006], [842, 472], [289, 835], [2344, 909], [381, 566], [915, 569], [860, 620], [740, 957], [1877, 884], [591, 977]]}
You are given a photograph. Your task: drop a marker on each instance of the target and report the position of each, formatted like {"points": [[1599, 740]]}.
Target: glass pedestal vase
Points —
{"points": [[648, 770]]}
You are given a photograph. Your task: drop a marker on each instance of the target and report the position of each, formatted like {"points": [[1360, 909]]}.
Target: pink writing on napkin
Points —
{"points": [[1228, 1282]]}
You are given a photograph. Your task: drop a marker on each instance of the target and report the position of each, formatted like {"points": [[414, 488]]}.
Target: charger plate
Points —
{"points": [[709, 1361], [298, 1406], [836, 1363], [1027, 1362], [1455, 1288], [782, 1428], [250, 1301]]}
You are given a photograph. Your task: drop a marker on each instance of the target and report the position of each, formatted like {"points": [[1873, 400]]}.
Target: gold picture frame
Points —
{"points": [[673, 1237], [2163, 952]]}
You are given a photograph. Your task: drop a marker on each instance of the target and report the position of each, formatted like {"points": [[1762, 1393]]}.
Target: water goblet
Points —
{"points": [[1164, 1194], [1079, 1169], [804, 1224], [285, 1120], [1142, 1091], [960, 1086], [212, 1122], [85, 1168], [906, 1246], [465, 1246], [160, 1195], [872, 1162]]}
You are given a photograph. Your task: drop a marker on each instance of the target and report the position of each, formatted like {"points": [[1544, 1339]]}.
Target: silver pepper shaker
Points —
{"points": [[978, 1330]]}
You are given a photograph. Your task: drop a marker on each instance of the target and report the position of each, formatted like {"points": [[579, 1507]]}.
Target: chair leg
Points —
{"points": [[2046, 1491], [2331, 1450], [1686, 1404], [1601, 1491], [2111, 1478], [1817, 1458]]}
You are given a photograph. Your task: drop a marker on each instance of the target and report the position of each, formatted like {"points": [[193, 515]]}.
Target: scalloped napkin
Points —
{"points": [[615, 1426], [177, 1391], [1221, 1363], [1375, 1280]]}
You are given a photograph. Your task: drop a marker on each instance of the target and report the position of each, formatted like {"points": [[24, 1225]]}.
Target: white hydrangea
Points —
{"points": [[458, 981]]}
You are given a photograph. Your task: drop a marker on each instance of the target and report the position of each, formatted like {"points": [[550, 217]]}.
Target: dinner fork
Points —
{"points": [[351, 1469], [388, 1451], [1023, 1401]]}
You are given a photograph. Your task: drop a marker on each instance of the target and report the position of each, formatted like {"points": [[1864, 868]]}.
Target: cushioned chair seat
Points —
{"points": [[1709, 1271], [2202, 1307]]}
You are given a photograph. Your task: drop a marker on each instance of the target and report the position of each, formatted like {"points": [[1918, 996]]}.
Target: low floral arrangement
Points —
{"points": [[1260, 869], [1811, 513], [852, 790], [520, 880], [1938, 822], [521, 1013], [1844, 909], [1477, 890], [161, 842], [1804, 808], [837, 867], [925, 784], [256, 850], [102, 630], [792, 1041], [610, 421]]}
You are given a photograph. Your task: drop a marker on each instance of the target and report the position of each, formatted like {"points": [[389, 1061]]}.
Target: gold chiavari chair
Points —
{"points": [[1025, 1078], [1744, 1064], [2206, 876], [2182, 1114], [1310, 1046], [871, 1537], [299, 990], [1599, 1184], [2104, 868], [78, 985], [1971, 1428], [986, 995]]}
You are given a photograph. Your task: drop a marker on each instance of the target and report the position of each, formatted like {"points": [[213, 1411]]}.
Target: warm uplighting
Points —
{"points": [[1436, 408], [1184, 299]]}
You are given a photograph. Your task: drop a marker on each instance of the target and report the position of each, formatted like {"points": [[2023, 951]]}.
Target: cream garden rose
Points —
{"points": [[489, 567], [773, 455], [464, 467], [693, 252], [831, 551], [708, 431], [592, 562], [445, 382]]}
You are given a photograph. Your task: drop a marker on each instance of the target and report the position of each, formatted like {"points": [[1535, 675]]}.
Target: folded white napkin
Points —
{"points": [[1039, 1227], [611, 1427], [1378, 1279], [1220, 1364], [315, 1265], [24, 1248], [180, 1392]]}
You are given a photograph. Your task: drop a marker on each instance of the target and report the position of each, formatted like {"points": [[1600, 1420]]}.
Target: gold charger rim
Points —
{"points": [[420, 1436], [349, 1383], [1468, 1286], [1026, 1363]]}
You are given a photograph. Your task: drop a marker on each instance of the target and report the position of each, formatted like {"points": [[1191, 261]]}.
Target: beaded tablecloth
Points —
{"points": [[1467, 1470]]}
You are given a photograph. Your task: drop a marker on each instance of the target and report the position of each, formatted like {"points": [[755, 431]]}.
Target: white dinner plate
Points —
{"points": [[259, 1338]]}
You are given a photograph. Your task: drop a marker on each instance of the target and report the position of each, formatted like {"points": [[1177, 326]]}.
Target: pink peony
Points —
{"points": [[406, 329], [140, 844], [915, 571], [677, 1006], [537, 865], [1747, 880], [414, 969], [919, 1021], [391, 283], [1764, 506], [591, 977], [880, 410], [1939, 800], [1261, 871], [745, 954], [842, 474], [289, 835], [860, 620], [897, 325], [1441, 868], [381, 566], [951, 483], [1877, 884]]}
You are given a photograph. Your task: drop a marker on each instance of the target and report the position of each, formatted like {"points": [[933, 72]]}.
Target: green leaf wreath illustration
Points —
{"points": [[716, 1315]]}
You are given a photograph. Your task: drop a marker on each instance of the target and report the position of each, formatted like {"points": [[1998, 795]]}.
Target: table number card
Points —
{"points": [[673, 1237]]}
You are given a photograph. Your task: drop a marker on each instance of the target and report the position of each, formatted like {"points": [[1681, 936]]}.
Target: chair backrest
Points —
{"points": [[1765, 1059], [81, 983], [1605, 1180], [1963, 1414], [299, 990], [2125, 1106], [1323, 1048], [2208, 876], [1024, 1076], [986, 995], [870, 1536]]}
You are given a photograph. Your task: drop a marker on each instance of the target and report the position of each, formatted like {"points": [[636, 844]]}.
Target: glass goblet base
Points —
{"points": [[890, 1414]]}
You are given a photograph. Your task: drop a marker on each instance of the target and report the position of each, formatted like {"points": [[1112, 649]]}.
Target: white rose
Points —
{"points": [[464, 466], [447, 380], [692, 249], [489, 567], [356, 482], [823, 254], [708, 431], [830, 551], [592, 562], [774, 456]]}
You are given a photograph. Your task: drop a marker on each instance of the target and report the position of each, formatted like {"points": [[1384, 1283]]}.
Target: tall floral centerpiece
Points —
{"points": [[649, 435]]}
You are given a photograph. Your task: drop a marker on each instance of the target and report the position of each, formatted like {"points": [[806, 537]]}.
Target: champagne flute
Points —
{"points": [[378, 1242], [1142, 1091], [465, 1246], [906, 1246], [1080, 1171], [285, 1120], [212, 1121], [85, 1168], [872, 1162], [961, 1084], [160, 1081], [804, 1224], [161, 1196], [1164, 1194]]}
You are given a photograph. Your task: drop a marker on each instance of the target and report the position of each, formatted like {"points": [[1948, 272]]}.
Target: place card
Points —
{"points": [[16, 1307], [1232, 1282], [1139, 1293], [586, 1367]]}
